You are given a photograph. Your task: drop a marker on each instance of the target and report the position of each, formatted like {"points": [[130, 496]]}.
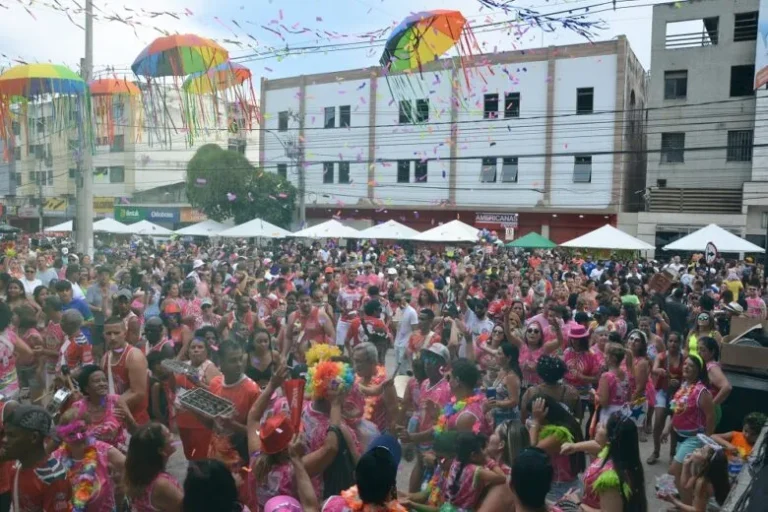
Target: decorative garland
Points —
{"points": [[85, 484], [352, 497], [562, 434], [455, 407], [373, 400]]}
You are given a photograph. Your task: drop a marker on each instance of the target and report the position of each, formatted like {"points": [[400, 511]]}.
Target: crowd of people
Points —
{"points": [[507, 380]]}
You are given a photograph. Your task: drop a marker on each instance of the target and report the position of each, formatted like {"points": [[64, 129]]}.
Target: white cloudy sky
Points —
{"points": [[47, 35]]}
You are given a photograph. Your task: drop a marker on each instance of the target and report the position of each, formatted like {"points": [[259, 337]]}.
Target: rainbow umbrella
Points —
{"points": [[224, 90], [422, 38], [115, 101], [113, 87], [33, 80], [219, 78], [178, 55], [58, 86]]}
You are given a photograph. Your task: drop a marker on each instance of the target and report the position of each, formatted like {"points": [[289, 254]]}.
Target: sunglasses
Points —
{"points": [[634, 338], [534, 331], [703, 318], [498, 331]]}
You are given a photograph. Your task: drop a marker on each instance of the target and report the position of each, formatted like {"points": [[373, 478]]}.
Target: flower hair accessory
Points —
{"points": [[74, 432]]}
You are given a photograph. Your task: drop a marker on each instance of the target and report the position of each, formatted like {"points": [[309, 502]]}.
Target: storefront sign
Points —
{"points": [[103, 205], [136, 213], [192, 215], [508, 220], [55, 207]]}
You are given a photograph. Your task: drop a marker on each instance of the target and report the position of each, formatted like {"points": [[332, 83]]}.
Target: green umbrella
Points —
{"points": [[532, 241]]}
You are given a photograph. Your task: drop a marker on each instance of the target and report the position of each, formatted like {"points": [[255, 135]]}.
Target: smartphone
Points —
{"points": [[490, 393]]}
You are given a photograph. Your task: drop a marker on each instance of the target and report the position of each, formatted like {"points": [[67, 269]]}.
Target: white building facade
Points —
{"points": [[548, 140]]}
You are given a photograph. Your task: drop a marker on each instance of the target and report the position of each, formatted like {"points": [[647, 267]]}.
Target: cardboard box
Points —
{"points": [[744, 356]]}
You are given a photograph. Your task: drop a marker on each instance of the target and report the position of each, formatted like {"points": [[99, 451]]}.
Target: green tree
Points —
{"points": [[224, 184]]}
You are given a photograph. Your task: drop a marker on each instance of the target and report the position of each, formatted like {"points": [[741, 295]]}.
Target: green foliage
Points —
{"points": [[224, 184]]}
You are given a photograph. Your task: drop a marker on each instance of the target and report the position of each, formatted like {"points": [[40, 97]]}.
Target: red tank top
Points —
{"points": [[310, 326], [122, 382]]}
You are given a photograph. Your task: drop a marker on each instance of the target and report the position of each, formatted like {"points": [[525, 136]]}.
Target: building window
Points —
{"points": [[422, 111], [745, 26], [282, 121], [345, 116], [403, 171], [330, 117], [509, 169], [405, 112], [101, 175], [282, 171], [585, 100], [118, 144], [41, 125], [32, 177], [491, 106], [344, 173], [37, 150], [420, 168], [675, 85], [50, 178], [17, 153], [117, 174], [672, 147], [739, 146], [488, 170], [582, 169], [16, 126], [692, 33], [328, 172], [237, 145], [72, 172], [49, 155], [742, 80], [512, 104], [18, 179]]}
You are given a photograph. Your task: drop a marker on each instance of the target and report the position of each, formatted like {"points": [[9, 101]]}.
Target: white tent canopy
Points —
{"points": [[144, 227], [205, 228], [608, 237], [64, 227], [328, 229], [110, 226], [454, 231], [102, 226], [390, 230], [255, 228], [724, 240]]}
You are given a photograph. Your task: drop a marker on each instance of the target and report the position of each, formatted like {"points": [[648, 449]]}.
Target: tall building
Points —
{"points": [[548, 140], [701, 118]]}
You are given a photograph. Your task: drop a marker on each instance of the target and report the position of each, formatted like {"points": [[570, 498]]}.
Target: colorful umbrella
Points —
{"points": [[219, 78], [60, 88], [113, 87], [116, 108], [224, 90], [178, 55], [33, 80], [422, 38]]}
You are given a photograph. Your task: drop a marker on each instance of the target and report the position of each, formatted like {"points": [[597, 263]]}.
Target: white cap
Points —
{"points": [[392, 271], [197, 264]]}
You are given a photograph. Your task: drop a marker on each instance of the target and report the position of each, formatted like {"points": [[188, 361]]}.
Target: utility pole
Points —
{"points": [[295, 151], [40, 201], [84, 225]]}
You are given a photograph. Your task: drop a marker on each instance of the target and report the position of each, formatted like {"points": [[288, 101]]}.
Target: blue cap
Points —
{"points": [[388, 443]]}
